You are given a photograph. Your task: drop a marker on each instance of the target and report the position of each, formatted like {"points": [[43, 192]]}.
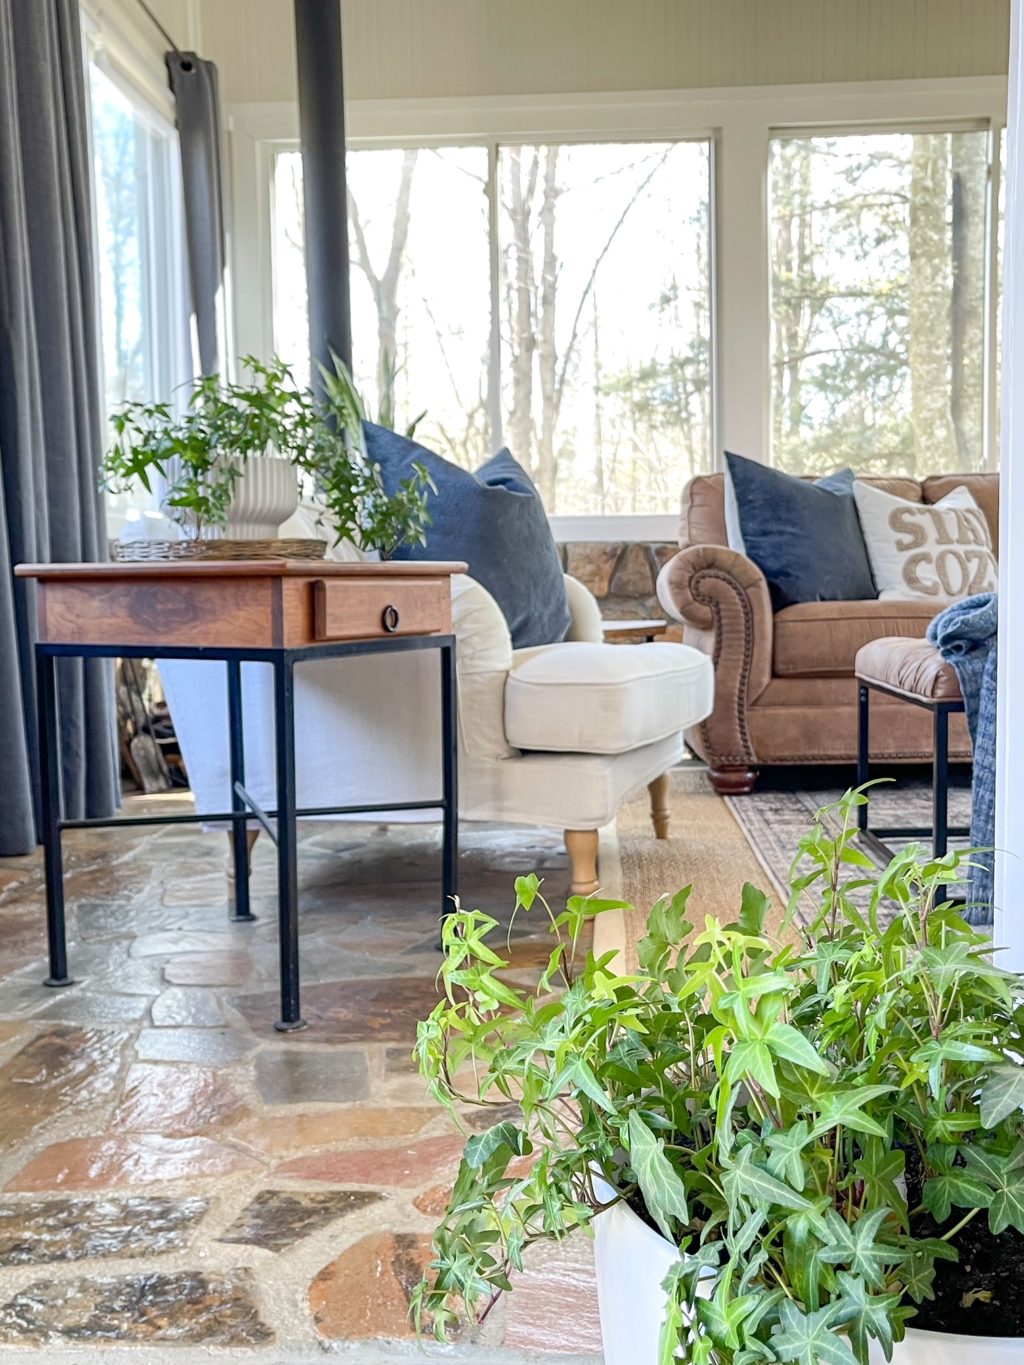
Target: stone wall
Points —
{"points": [[621, 576]]}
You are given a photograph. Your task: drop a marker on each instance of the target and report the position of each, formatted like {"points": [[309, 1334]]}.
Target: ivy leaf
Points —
{"points": [[753, 1059], [503, 1136], [760, 1188], [578, 1072], [661, 1186], [918, 1269], [809, 1339], [844, 1107], [1002, 1094], [867, 1315], [857, 1247], [754, 907], [880, 1170], [790, 1044], [955, 1186], [785, 1158], [1006, 1182]]}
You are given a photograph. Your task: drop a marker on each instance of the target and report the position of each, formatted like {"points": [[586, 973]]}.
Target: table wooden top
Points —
{"points": [[656, 626], [244, 568], [238, 604]]}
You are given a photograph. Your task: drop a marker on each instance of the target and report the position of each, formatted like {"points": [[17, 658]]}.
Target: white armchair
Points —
{"points": [[557, 735]]}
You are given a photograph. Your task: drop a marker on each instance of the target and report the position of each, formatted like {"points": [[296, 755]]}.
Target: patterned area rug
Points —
{"points": [[778, 813]]}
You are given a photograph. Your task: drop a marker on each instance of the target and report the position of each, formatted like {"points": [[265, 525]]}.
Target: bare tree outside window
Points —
{"points": [[878, 251], [605, 307]]}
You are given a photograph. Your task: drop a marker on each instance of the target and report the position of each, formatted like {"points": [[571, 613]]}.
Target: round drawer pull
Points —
{"points": [[389, 619]]}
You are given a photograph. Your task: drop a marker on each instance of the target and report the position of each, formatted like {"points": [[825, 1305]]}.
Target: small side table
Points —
{"points": [[279, 612], [633, 632]]}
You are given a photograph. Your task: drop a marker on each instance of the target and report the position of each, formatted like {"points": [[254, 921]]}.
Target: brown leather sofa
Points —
{"points": [[784, 686]]}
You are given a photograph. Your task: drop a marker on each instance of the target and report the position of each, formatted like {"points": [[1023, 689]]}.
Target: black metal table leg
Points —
{"points": [[863, 750], [241, 913], [50, 817], [449, 761], [287, 868], [940, 791]]}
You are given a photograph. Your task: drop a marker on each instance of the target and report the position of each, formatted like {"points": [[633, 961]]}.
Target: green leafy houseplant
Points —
{"points": [[201, 451], [817, 1126], [350, 484]]}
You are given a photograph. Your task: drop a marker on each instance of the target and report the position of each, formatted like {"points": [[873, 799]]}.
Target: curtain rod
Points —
{"points": [[163, 32]]}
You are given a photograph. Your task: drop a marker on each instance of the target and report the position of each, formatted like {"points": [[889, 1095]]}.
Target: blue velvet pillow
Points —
{"points": [[804, 537], [495, 521]]}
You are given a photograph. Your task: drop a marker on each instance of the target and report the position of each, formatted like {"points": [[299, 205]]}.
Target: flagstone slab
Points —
{"points": [[277, 1219], [206, 1046], [366, 1291], [410, 1165], [185, 1307], [182, 1006], [359, 1010], [100, 1163], [290, 1075], [174, 1100], [80, 1005], [279, 1134], [38, 1231], [228, 968], [61, 1069]]}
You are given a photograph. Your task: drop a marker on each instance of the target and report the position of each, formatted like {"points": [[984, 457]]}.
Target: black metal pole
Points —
{"points": [[322, 131]]}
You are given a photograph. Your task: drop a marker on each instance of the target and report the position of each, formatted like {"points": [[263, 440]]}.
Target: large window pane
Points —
{"points": [[420, 286], [878, 251], [606, 321]]}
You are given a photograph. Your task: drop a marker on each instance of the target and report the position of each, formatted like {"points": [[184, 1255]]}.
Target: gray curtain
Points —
{"points": [[51, 429], [194, 82]]}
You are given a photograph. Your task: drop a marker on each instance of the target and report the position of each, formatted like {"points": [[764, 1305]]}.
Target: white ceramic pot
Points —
{"points": [[633, 1260], [265, 496]]}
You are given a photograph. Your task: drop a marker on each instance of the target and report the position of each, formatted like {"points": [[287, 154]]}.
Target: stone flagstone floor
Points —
{"points": [[176, 1174]]}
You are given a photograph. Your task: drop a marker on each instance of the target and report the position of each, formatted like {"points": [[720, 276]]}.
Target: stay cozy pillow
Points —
{"points": [[804, 537], [918, 549], [495, 521]]}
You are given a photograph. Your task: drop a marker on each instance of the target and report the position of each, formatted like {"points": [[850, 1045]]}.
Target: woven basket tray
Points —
{"points": [[150, 551]]}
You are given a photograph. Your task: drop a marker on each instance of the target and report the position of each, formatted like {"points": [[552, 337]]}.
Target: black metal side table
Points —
{"points": [[277, 612]]}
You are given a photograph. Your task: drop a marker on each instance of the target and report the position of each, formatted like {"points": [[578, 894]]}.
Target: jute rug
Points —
{"points": [[706, 850], [774, 817]]}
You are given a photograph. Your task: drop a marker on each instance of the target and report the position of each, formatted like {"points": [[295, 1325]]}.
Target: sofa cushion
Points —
{"points": [[913, 667], [821, 639], [495, 521], [934, 550], [804, 537], [604, 699]]}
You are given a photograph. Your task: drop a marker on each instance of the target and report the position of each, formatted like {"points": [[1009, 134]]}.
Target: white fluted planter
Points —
{"points": [[633, 1260], [265, 496]]}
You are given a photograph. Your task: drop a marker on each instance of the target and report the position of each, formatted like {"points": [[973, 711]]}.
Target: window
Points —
{"points": [[597, 285], [419, 284], [143, 315], [879, 260]]}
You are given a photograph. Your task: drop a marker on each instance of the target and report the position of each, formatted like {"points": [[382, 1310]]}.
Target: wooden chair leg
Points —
{"points": [[581, 845], [251, 835], [661, 811]]}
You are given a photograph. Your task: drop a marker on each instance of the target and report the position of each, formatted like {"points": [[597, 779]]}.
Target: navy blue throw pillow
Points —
{"points": [[495, 521], [804, 537]]}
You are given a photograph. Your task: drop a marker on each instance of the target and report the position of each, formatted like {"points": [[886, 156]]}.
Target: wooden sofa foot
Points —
{"points": [[733, 781], [581, 845], [661, 811]]}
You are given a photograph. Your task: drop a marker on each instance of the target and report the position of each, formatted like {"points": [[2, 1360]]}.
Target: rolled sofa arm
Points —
{"points": [[722, 598]]}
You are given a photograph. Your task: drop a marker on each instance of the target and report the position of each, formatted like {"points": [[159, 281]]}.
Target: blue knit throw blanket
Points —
{"points": [[965, 635]]}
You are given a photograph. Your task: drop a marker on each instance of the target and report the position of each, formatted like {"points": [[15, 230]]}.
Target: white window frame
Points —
{"points": [[740, 122], [165, 302]]}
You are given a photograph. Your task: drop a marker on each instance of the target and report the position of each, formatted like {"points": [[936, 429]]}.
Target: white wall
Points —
{"points": [[409, 49]]}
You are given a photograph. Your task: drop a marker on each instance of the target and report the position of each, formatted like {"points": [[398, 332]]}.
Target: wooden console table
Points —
{"points": [[279, 612]]}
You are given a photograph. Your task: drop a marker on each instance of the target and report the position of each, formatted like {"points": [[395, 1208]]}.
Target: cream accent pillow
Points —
{"points": [[941, 550]]}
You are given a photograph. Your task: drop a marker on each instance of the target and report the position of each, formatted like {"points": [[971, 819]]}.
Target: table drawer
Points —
{"points": [[361, 610]]}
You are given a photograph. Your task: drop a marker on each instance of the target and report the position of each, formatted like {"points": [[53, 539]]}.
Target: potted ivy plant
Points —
{"points": [[807, 1152], [201, 451]]}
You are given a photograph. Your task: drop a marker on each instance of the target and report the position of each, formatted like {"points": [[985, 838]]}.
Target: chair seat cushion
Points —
{"points": [[821, 639], [913, 667], [604, 699]]}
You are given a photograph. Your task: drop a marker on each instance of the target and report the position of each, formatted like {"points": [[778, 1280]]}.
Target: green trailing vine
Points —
{"points": [[810, 1123]]}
